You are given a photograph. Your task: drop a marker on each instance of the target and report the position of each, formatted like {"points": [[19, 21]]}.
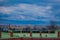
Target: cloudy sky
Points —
{"points": [[29, 11]]}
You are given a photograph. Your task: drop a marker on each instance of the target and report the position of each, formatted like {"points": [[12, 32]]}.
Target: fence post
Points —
{"points": [[11, 34], [30, 33], [58, 34], [0, 34], [41, 34]]}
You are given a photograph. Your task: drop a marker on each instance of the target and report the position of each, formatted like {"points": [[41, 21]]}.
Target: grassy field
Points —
{"points": [[27, 35]]}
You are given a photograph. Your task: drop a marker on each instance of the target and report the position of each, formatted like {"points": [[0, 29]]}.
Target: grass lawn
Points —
{"points": [[27, 35]]}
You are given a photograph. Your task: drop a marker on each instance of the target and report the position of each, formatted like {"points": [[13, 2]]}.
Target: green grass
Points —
{"points": [[27, 35], [49, 35]]}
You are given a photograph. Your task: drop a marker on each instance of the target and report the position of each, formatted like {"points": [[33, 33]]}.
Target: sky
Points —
{"points": [[40, 12]]}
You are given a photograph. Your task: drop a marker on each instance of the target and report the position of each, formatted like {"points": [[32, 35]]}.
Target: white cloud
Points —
{"points": [[56, 1], [1, 0], [32, 11], [6, 10]]}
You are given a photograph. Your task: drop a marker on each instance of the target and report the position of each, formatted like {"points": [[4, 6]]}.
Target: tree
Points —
{"points": [[53, 25]]}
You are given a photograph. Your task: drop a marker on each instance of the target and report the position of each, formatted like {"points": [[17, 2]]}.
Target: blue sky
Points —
{"points": [[29, 11]]}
